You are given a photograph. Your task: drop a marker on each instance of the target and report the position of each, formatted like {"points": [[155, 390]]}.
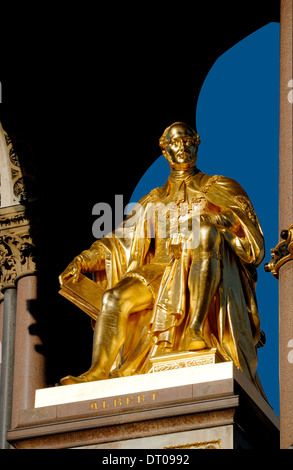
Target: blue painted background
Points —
{"points": [[237, 119]]}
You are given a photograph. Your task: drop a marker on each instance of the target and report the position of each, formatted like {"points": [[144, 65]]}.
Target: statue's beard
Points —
{"points": [[182, 165]]}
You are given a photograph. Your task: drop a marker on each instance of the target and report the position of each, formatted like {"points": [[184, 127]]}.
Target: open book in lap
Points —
{"points": [[85, 294]]}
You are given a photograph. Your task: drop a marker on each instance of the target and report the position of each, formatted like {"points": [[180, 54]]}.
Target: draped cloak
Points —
{"points": [[232, 323]]}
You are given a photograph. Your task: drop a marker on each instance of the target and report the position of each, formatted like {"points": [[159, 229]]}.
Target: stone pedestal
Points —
{"points": [[208, 406]]}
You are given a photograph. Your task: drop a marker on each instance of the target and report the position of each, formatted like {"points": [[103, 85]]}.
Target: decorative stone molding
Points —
{"points": [[10, 171], [17, 250], [282, 253], [17, 170], [186, 359]]}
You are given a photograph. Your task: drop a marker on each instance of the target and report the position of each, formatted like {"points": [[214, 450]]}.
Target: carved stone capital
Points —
{"points": [[17, 250], [282, 253]]}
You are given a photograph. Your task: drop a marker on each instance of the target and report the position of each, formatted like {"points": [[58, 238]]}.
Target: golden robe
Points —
{"points": [[232, 323]]}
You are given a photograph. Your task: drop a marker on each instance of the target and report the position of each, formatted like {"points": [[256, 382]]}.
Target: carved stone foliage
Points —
{"points": [[17, 258], [17, 250]]}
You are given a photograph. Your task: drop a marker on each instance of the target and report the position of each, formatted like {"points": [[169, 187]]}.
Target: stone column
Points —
{"points": [[23, 367], [1, 329], [285, 220], [6, 384], [29, 362]]}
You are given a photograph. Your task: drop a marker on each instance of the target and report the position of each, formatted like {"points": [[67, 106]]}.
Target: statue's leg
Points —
{"points": [[129, 295], [203, 282]]}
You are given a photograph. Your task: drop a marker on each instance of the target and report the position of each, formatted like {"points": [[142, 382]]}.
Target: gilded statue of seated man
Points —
{"points": [[168, 291]]}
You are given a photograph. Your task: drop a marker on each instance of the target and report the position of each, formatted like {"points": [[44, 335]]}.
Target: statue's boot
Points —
{"points": [[109, 336], [128, 296], [196, 342], [204, 278], [71, 380]]}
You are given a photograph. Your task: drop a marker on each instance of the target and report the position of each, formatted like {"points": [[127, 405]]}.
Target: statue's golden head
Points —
{"points": [[179, 144]]}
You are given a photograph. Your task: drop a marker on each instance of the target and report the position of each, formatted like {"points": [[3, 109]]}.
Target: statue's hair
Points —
{"points": [[163, 142]]}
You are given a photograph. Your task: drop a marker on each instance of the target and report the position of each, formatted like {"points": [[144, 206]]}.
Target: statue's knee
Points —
{"points": [[128, 296], [110, 299], [209, 237], [117, 300]]}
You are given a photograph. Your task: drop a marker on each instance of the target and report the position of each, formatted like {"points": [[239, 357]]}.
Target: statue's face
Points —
{"points": [[181, 149]]}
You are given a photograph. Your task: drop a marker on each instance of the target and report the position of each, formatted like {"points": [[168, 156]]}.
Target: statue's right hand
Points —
{"points": [[73, 269]]}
